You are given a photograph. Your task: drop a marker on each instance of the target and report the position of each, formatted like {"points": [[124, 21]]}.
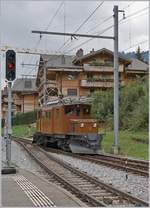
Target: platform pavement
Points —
{"points": [[25, 189]]}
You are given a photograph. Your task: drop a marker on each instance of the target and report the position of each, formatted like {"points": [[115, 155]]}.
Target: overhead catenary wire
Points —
{"points": [[82, 24], [53, 17], [46, 28], [79, 28], [108, 18], [108, 28], [129, 16], [139, 43], [105, 20]]}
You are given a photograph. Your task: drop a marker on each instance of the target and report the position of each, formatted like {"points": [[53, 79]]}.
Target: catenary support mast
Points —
{"points": [[116, 82]]}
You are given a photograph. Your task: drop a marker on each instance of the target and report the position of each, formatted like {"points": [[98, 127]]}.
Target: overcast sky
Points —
{"points": [[19, 18]]}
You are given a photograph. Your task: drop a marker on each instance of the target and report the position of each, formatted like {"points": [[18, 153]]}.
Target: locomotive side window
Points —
{"points": [[69, 111]]}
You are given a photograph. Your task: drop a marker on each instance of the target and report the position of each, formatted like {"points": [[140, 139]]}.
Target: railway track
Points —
{"points": [[90, 190], [126, 164], [139, 167]]}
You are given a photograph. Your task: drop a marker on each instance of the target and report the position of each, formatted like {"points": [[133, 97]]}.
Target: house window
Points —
{"points": [[28, 84], [69, 111], [72, 92]]}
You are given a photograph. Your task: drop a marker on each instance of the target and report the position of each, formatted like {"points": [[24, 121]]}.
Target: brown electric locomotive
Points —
{"points": [[69, 127]]}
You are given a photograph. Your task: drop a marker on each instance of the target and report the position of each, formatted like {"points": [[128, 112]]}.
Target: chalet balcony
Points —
{"points": [[101, 68], [107, 84]]}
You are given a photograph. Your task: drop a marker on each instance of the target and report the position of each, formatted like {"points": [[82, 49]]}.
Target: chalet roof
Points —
{"points": [[58, 60], [24, 85], [103, 50], [137, 65]]}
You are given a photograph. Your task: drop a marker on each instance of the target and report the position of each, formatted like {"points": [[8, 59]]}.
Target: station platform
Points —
{"points": [[25, 189]]}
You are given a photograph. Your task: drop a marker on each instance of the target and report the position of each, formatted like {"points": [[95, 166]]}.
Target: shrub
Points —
{"points": [[133, 105], [24, 118]]}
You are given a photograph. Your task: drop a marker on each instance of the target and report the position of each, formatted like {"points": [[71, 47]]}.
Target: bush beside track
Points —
{"points": [[24, 118]]}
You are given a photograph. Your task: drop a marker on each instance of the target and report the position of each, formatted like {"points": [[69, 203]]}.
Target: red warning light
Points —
{"points": [[10, 66]]}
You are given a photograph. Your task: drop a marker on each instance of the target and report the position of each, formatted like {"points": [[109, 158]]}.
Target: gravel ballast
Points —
{"points": [[134, 184]]}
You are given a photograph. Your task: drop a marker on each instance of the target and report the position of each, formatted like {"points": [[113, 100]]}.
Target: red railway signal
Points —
{"points": [[10, 65]]}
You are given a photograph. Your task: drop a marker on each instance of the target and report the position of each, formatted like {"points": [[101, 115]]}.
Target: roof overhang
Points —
{"points": [[67, 69], [101, 51]]}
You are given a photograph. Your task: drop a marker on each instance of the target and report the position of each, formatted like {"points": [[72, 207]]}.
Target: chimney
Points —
{"points": [[92, 50], [79, 53]]}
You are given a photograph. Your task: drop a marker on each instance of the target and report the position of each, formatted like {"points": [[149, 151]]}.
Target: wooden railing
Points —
{"points": [[85, 83], [104, 68]]}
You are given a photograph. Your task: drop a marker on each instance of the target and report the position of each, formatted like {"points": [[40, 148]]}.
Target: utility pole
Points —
{"points": [[10, 76], [45, 85], [8, 153], [116, 69], [116, 82], [115, 146]]}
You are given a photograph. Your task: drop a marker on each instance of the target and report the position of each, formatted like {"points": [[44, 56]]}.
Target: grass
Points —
{"points": [[128, 146], [24, 130]]}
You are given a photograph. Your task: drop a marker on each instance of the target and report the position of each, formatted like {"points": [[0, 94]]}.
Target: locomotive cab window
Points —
{"points": [[69, 111]]}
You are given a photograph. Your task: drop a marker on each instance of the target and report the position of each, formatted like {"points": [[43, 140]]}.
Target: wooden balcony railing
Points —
{"points": [[85, 83], [106, 83], [101, 68]]}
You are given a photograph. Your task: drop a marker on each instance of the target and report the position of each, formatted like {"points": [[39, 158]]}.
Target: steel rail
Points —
{"points": [[122, 163], [116, 164], [124, 197], [85, 197]]}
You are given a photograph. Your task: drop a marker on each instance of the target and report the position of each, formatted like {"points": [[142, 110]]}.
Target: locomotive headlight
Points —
{"points": [[82, 125], [94, 125]]}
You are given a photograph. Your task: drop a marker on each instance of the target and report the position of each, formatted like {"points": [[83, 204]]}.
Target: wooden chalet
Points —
{"points": [[71, 76], [25, 95]]}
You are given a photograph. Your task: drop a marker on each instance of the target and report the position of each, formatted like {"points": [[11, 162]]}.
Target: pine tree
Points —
{"points": [[139, 54]]}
